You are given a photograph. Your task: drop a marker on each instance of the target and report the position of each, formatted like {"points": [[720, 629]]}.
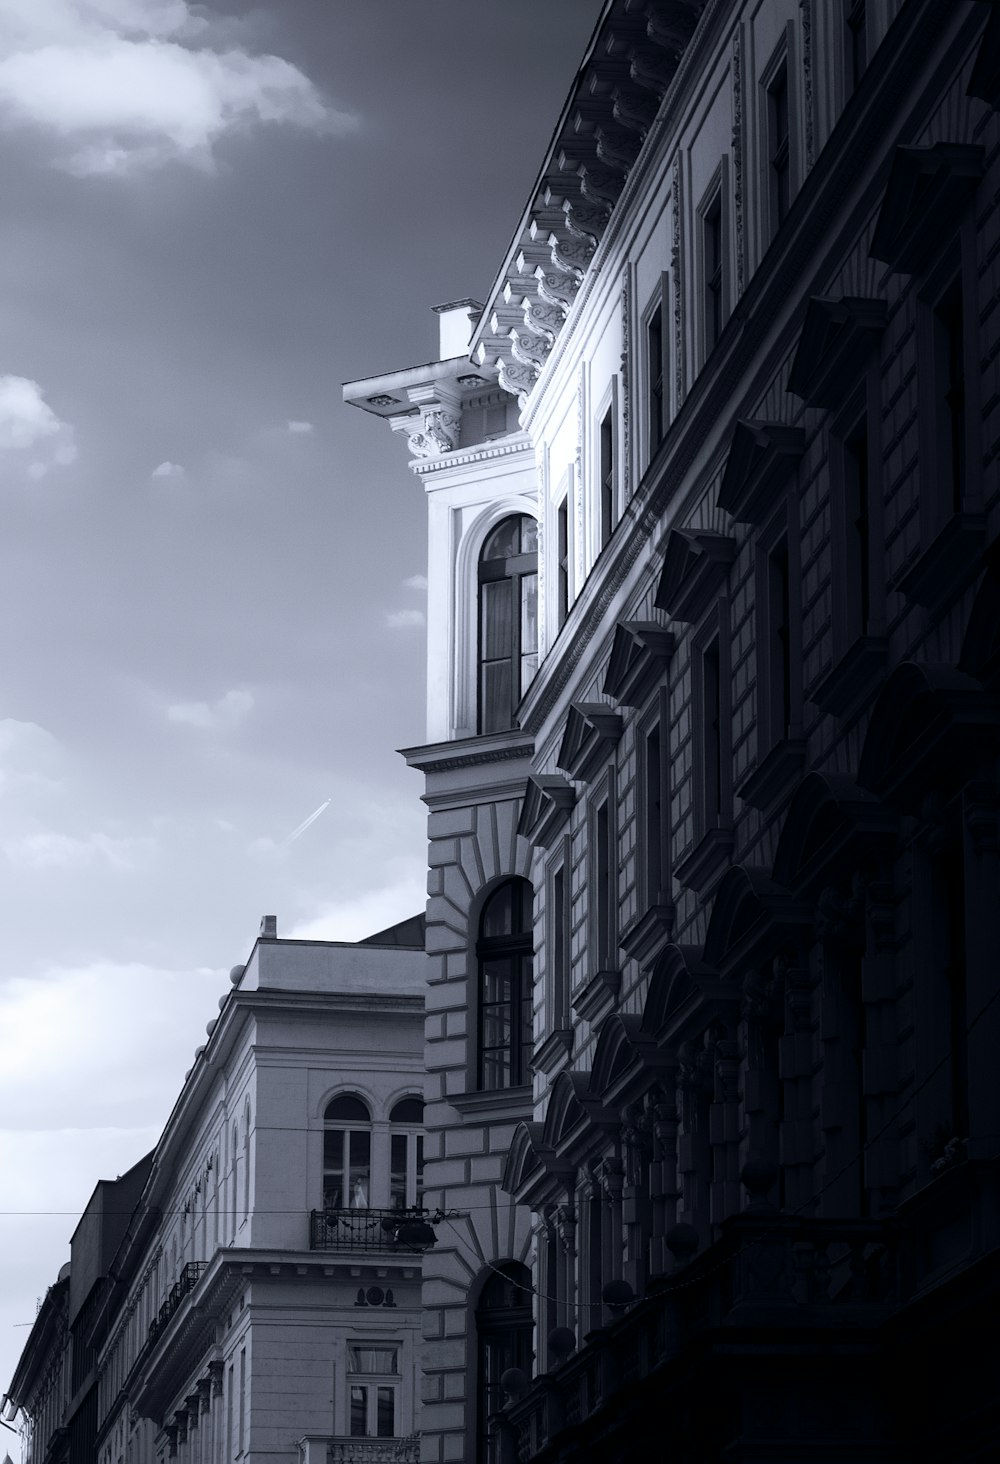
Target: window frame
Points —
{"points": [[603, 913], [713, 631], [715, 283], [779, 701], [412, 1134], [657, 308], [372, 1384], [347, 1127], [518, 569], [518, 947]]}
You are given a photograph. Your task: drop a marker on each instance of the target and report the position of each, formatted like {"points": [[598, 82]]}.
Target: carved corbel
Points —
{"points": [[556, 287], [564, 1219], [543, 318], [571, 255], [215, 1374], [528, 348]]}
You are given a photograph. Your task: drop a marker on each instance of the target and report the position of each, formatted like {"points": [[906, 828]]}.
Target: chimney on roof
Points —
{"points": [[269, 927], [456, 322]]}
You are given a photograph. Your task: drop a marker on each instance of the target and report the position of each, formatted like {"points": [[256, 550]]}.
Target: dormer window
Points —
{"points": [[508, 619]]}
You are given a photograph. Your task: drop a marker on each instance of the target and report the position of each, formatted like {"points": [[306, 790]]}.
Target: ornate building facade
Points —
{"points": [[712, 750], [257, 1293]]}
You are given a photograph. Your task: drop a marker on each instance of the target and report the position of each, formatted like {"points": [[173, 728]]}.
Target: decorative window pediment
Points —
{"points": [[640, 656], [830, 826], [927, 191], [752, 917], [695, 566], [762, 458], [624, 1055], [531, 1168], [573, 1114], [545, 807], [838, 337], [592, 730]]}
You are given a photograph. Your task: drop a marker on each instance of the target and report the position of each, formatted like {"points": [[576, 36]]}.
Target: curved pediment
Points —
{"points": [[930, 727], [751, 915], [572, 1112], [673, 987], [623, 1051], [827, 818], [530, 1167]]}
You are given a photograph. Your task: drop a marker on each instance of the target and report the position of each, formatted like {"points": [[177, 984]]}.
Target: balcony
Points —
{"points": [[185, 1283], [781, 1297], [369, 1230], [314, 1450]]}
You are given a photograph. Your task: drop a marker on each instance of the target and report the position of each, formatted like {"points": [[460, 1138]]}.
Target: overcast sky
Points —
{"points": [[211, 595]]}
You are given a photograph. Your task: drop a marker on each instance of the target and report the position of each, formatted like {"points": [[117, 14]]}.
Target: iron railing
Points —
{"points": [[356, 1230], [186, 1282]]}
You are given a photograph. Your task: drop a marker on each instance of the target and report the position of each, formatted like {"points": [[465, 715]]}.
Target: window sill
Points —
{"points": [[599, 996], [948, 563], [852, 679], [708, 861], [774, 774], [496, 1104], [553, 1054], [645, 937]]}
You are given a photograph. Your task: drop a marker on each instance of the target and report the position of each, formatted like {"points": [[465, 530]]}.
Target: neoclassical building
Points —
{"points": [[252, 1289], [712, 754]]}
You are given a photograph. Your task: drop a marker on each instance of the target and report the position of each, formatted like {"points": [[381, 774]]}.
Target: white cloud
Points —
{"points": [[404, 619], [29, 426], [362, 914], [132, 84], [218, 716], [28, 755], [50, 850], [416, 582], [167, 470], [300, 428]]}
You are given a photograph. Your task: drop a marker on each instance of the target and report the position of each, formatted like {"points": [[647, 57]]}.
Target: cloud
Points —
{"points": [[50, 850], [362, 914], [28, 755], [218, 716], [168, 470], [130, 85], [300, 428], [416, 582], [404, 619], [29, 426]]}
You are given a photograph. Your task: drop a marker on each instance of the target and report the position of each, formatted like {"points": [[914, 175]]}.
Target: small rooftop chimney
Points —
{"points": [[269, 927], [456, 320]]}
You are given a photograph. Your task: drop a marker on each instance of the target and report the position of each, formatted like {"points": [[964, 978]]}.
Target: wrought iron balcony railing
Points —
{"points": [[365, 1230], [186, 1282]]}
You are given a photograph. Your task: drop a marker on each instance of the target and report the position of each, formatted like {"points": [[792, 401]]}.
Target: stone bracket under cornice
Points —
{"points": [[837, 340], [926, 194], [634, 57], [762, 458]]}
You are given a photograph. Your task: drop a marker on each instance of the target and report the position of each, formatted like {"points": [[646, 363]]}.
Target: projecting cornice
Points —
{"points": [[633, 57]]}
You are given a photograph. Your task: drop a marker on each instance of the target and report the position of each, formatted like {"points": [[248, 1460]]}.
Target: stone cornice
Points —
{"points": [[469, 752], [482, 452], [814, 237], [634, 56]]}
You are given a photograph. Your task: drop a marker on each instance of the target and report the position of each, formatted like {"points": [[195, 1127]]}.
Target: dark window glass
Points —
{"points": [[503, 1336], [562, 534], [712, 244], [654, 816], [712, 731], [779, 609], [504, 954], [602, 876], [407, 1110], [950, 366], [508, 619], [856, 489], [654, 368], [560, 975], [778, 154], [347, 1106], [607, 478], [347, 1154], [857, 41]]}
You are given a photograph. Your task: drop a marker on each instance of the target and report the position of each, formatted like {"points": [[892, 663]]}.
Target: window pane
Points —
{"points": [[529, 535], [498, 913], [529, 613], [497, 714], [347, 1106], [333, 1149], [496, 1026], [496, 981], [407, 1110], [333, 1192], [397, 1171], [504, 541], [386, 1413], [371, 1358], [359, 1412], [497, 633], [419, 1197], [496, 1070], [360, 1160]]}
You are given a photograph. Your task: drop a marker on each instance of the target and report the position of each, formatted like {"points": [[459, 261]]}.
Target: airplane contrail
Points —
{"points": [[305, 824]]}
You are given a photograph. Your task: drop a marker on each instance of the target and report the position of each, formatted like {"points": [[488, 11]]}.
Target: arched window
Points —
{"points": [[406, 1153], [347, 1153], [503, 1340], [505, 965], [508, 619], [234, 1160]]}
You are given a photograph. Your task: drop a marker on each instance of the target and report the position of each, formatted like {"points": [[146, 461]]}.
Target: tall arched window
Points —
{"points": [[508, 619], [406, 1153], [503, 1340], [347, 1153], [505, 967], [234, 1160]]}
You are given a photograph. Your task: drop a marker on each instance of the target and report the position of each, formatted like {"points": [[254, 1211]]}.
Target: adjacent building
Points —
{"points": [[712, 750], [262, 1296]]}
